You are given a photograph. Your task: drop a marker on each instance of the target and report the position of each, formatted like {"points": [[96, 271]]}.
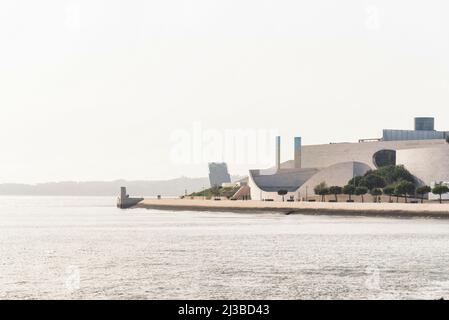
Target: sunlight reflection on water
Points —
{"points": [[68, 247]]}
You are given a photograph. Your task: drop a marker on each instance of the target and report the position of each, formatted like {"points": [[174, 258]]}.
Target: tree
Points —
{"points": [[404, 188], [335, 190], [411, 189], [372, 181], [440, 189], [361, 191], [393, 174], [355, 181], [322, 190], [382, 177], [349, 189], [282, 193], [422, 191], [376, 193], [389, 191]]}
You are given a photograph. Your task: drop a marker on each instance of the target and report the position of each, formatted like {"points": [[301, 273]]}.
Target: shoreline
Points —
{"points": [[390, 210]]}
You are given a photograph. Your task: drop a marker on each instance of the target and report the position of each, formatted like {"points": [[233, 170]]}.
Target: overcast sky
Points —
{"points": [[102, 90]]}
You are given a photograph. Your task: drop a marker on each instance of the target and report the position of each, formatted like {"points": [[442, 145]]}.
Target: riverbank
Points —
{"points": [[425, 210]]}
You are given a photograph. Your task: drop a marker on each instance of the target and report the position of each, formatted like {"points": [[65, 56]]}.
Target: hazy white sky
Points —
{"points": [[101, 90]]}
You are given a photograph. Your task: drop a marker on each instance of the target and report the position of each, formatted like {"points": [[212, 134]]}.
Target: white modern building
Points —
{"points": [[423, 151]]}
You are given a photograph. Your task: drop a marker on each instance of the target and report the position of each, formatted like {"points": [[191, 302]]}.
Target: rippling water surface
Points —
{"points": [[84, 248]]}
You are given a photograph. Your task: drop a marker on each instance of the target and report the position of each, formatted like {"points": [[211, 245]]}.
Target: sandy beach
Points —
{"points": [[428, 210]]}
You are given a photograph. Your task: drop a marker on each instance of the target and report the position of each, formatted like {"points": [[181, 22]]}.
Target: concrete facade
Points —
{"points": [[428, 165], [325, 155], [423, 151], [336, 175], [124, 201], [335, 164]]}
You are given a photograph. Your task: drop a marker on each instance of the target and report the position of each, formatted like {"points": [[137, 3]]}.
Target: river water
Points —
{"points": [[85, 248]]}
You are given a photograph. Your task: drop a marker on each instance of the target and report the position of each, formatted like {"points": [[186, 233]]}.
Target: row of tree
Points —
{"points": [[402, 189], [389, 180]]}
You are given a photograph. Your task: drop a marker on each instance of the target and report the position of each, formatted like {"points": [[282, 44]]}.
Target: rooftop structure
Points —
{"points": [[424, 124], [424, 130]]}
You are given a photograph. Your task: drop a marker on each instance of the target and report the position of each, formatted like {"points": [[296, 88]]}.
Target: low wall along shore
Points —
{"points": [[433, 210]]}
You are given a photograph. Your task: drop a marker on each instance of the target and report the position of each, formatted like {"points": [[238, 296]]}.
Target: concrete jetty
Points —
{"points": [[124, 201], [426, 210]]}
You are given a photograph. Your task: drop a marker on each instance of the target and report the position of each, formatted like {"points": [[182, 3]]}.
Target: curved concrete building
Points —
{"points": [[265, 184], [427, 164], [335, 175], [325, 155], [336, 163]]}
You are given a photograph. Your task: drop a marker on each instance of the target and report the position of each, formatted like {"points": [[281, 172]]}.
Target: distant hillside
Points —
{"points": [[174, 187]]}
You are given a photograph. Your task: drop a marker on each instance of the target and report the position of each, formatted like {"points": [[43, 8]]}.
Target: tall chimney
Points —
{"points": [[278, 152], [297, 161]]}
